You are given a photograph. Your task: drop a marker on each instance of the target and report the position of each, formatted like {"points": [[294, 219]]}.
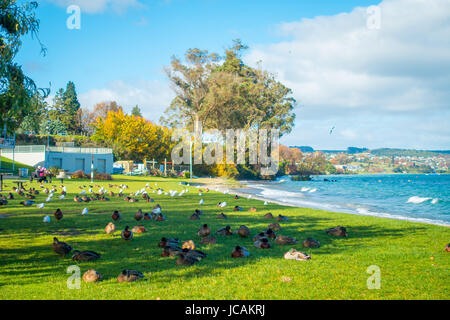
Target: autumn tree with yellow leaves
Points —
{"points": [[133, 137]]}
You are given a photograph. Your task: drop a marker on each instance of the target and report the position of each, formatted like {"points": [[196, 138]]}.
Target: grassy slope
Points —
{"points": [[7, 164], [337, 270]]}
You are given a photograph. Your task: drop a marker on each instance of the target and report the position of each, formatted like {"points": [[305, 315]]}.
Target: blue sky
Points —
{"points": [[321, 49]]}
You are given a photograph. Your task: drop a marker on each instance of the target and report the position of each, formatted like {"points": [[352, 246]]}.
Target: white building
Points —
{"points": [[70, 159]]}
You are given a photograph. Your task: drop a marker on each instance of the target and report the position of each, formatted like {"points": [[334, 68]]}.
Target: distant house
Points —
{"points": [[70, 159]]}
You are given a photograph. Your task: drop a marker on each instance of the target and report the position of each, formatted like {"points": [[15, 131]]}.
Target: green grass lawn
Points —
{"points": [[6, 165], [411, 256]]}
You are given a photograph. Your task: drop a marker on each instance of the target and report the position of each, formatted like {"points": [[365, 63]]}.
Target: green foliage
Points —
{"points": [[17, 91], [230, 95], [136, 111], [65, 109]]}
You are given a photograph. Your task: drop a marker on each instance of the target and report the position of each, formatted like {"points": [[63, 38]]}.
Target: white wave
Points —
{"points": [[313, 190], [304, 189], [416, 199], [434, 201]]}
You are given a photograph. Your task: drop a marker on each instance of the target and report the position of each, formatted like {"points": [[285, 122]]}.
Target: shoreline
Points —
{"points": [[222, 185]]}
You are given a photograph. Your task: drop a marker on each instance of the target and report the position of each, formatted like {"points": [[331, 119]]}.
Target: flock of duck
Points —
{"points": [[185, 252]]}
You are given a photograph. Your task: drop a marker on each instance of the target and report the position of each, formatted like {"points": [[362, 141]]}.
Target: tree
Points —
{"points": [[136, 111], [16, 89], [133, 138], [65, 108], [230, 95]]}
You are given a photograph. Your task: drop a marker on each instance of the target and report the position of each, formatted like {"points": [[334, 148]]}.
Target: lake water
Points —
{"points": [[421, 198]]}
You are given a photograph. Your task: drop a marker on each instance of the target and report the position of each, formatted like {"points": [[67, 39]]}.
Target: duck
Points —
{"points": [[262, 243], [270, 234], [139, 216], [280, 239], [196, 254], [60, 247], [296, 255], [86, 255], [338, 231], [91, 276], [45, 190], [252, 209], [127, 234], [10, 196], [168, 242], [157, 209], [259, 236], [274, 226], [188, 245], [58, 214], [29, 196], [185, 259], [3, 201], [239, 252], [268, 215], [138, 229], [209, 240], [160, 217], [225, 231], [222, 216], [243, 231], [77, 199], [195, 216], [171, 251], [116, 215], [147, 216], [204, 231], [237, 208], [311, 243], [236, 197], [447, 247], [198, 212], [282, 218], [110, 228], [129, 275], [27, 203]]}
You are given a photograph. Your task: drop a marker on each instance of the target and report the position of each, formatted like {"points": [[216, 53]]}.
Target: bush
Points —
{"points": [[102, 176], [79, 175]]}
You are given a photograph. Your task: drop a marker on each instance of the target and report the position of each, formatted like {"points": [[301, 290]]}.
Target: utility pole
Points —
{"points": [[92, 168], [190, 161]]}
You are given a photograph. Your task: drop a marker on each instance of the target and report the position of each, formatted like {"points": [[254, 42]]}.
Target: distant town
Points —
{"points": [[362, 160]]}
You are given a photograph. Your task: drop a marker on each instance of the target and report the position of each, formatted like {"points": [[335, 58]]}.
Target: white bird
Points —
{"points": [[83, 192], [40, 205], [160, 192], [154, 191], [48, 199], [62, 197], [46, 219], [249, 196], [200, 194], [156, 210], [84, 212], [90, 190], [223, 204], [266, 203], [201, 201]]}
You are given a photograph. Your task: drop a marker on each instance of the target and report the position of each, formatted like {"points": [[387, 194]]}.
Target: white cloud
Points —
{"points": [[341, 70], [98, 6], [152, 97]]}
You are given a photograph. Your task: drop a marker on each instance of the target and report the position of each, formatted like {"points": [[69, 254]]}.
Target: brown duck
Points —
{"points": [[139, 216], [209, 240], [110, 228], [311, 243], [204, 231], [243, 231], [138, 229], [91, 276], [127, 234], [168, 242], [280, 239], [129, 276], [239, 252], [268, 215], [263, 243], [116, 215], [60, 247], [274, 226], [58, 214], [86, 255], [222, 216], [338, 231]]}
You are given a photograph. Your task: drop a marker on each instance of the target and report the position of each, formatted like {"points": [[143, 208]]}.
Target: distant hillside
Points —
{"points": [[303, 148], [407, 152]]}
